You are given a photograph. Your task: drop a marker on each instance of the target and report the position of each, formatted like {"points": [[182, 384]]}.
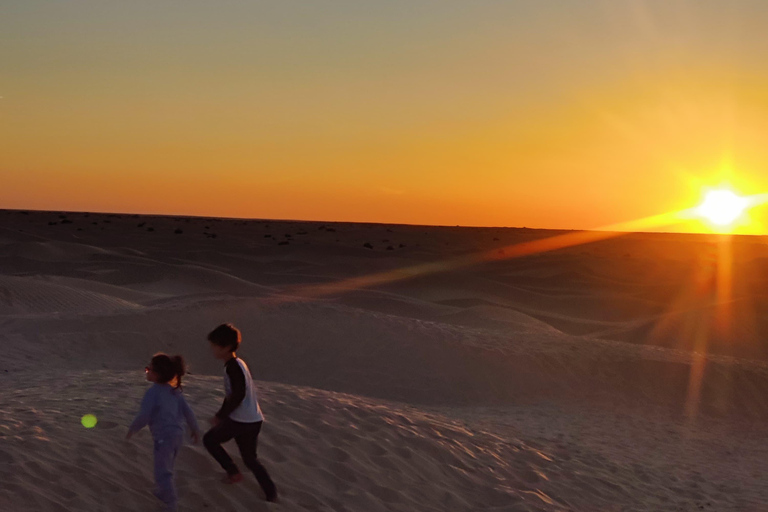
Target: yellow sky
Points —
{"points": [[529, 113]]}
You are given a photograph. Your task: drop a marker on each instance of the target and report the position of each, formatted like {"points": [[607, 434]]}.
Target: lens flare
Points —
{"points": [[89, 421]]}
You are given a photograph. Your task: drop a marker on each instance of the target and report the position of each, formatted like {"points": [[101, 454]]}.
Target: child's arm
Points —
{"points": [[190, 417], [235, 398], [145, 413]]}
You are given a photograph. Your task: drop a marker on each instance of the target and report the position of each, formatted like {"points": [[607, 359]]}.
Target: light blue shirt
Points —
{"points": [[164, 409]]}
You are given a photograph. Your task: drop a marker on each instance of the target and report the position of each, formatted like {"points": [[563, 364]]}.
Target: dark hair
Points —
{"points": [[167, 367], [225, 335]]}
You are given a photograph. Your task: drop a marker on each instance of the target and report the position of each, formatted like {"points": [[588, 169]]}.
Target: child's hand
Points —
{"points": [[214, 421], [195, 437]]}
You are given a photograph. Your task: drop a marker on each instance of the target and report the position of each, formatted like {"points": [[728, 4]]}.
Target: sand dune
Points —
{"points": [[597, 378], [30, 296]]}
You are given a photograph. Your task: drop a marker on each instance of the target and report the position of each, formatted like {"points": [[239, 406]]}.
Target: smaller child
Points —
{"points": [[165, 411]]}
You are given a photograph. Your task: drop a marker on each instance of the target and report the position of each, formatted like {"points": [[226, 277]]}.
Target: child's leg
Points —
{"points": [[212, 441], [166, 450], [247, 441]]}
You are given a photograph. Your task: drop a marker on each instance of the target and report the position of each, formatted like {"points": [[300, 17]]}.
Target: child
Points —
{"points": [[166, 411], [239, 416]]}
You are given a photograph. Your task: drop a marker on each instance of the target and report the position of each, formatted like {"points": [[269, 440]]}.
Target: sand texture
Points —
{"points": [[398, 370]]}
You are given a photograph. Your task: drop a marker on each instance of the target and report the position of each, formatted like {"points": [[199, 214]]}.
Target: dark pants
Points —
{"points": [[246, 436]]}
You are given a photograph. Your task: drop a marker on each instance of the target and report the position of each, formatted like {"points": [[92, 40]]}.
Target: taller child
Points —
{"points": [[239, 416]]}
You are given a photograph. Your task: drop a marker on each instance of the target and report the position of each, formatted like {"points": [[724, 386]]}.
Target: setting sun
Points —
{"points": [[722, 207]]}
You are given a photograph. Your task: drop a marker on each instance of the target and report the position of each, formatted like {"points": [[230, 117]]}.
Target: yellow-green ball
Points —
{"points": [[89, 421]]}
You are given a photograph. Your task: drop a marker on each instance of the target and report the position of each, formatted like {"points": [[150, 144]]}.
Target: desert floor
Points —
{"points": [[399, 367]]}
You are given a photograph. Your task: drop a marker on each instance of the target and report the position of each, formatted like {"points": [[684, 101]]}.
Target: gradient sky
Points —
{"points": [[559, 114]]}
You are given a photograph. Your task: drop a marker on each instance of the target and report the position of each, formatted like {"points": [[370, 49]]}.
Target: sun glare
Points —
{"points": [[722, 207]]}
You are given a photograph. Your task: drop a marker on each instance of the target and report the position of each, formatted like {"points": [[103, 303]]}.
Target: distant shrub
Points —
{"points": [[66, 221], [178, 231], [284, 242], [141, 224], [401, 246], [367, 245], [390, 248], [150, 229]]}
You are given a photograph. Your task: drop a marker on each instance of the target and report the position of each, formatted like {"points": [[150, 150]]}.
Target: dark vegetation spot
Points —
{"points": [[95, 223], [301, 232], [141, 224], [79, 229], [321, 228], [267, 236], [178, 231], [331, 230], [52, 223], [22, 213], [150, 229], [495, 239], [287, 235], [107, 221], [401, 245], [367, 245], [66, 221], [284, 242], [389, 231], [390, 248], [207, 227], [62, 216]]}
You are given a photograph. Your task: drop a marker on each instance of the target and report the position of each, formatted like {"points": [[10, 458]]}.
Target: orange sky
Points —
{"points": [[537, 114]]}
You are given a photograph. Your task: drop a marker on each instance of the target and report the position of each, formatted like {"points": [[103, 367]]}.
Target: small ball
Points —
{"points": [[89, 421]]}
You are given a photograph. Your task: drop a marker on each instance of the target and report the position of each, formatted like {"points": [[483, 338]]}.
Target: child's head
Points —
{"points": [[164, 369], [224, 339]]}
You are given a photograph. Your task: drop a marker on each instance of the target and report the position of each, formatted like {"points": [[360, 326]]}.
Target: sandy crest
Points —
{"points": [[338, 452], [327, 451]]}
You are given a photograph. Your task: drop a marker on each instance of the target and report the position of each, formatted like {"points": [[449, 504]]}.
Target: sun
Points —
{"points": [[722, 207]]}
